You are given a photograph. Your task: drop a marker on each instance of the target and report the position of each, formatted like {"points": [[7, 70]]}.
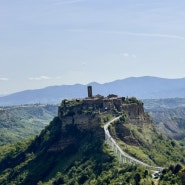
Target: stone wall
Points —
{"points": [[86, 113]]}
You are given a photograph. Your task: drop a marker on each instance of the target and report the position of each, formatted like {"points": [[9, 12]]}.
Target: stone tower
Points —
{"points": [[89, 89]]}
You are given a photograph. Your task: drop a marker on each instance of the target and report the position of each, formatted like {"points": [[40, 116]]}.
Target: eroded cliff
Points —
{"points": [[79, 117]]}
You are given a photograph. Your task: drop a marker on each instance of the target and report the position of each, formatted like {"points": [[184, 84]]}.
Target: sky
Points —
{"points": [[58, 42]]}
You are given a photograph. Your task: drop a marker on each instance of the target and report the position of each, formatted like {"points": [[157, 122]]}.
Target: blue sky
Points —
{"points": [[55, 42]]}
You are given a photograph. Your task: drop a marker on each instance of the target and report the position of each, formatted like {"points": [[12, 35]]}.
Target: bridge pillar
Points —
{"points": [[112, 146], [116, 150], [118, 155], [124, 160]]}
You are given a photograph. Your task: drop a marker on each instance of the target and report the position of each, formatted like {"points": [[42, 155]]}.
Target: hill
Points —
{"points": [[71, 149], [140, 87], [20, 122], [168, 103], [168, 116]]}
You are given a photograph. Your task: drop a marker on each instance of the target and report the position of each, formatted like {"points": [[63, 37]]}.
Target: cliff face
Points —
{"points": [[81, 112], [77, 125], [134, 111], [84, 116], [124, 131]]}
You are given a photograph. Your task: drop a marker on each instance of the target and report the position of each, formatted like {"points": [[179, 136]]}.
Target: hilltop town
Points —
{"points": [[87, 113]]}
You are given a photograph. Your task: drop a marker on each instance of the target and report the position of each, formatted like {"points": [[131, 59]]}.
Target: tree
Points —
{"points": [[137, 178]]}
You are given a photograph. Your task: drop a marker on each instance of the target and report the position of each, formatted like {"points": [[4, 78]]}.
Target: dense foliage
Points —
{"points": [[20, 122], [88, 159], [90, 162]]}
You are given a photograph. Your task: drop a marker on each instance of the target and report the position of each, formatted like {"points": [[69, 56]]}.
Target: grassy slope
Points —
{"points": [[145, 143]]}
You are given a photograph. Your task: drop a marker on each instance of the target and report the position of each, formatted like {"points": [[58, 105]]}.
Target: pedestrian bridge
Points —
{"points": [[122, 156]]}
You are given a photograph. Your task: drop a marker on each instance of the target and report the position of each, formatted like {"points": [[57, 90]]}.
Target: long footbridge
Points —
{"points": [[122, 156]]}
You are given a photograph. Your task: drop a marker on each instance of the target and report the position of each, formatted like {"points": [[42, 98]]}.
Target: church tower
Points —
{"points": [[89, 89]]}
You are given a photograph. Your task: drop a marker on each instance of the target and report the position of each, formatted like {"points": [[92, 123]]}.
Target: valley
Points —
{"points": [[20, 122], [168, 116]]}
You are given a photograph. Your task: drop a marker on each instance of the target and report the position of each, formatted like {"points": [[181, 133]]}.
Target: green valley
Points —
{"points": [[72, 148], [20, 122]]}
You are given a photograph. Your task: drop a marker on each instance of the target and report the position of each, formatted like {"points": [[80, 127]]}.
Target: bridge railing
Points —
{"points": [[122, 156]]}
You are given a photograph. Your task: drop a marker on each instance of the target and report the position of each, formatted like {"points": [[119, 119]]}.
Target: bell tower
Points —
{"points": [[89, 89]]}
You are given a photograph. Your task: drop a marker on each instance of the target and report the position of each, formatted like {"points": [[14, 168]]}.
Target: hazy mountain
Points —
{"points": [[140, 87]]}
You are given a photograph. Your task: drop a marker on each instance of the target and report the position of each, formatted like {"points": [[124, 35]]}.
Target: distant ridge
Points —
{"points": [[146, 87]]}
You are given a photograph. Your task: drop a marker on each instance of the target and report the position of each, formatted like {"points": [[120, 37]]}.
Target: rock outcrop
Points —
{"points": [[85, 116]]}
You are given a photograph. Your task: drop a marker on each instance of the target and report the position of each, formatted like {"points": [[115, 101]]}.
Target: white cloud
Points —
{"points": [[164, 36], [45, 78], [127, 55], [40, 78], [3, 79], [168, 36], [157, 35], [124, 54], [57, 2]]}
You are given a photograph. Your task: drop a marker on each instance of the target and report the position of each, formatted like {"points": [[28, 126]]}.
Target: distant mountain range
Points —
{"points": [[146, 87]]}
